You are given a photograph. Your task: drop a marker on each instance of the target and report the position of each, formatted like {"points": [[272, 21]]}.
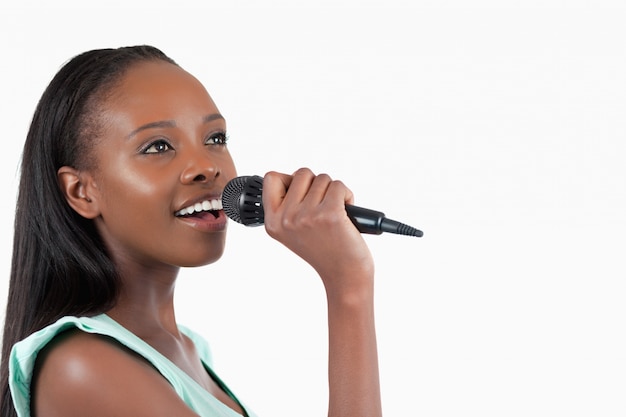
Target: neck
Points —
{"points": [[145, 304]]}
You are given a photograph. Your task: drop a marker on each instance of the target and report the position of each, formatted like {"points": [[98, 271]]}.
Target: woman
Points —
{"points": [[126, 153]]}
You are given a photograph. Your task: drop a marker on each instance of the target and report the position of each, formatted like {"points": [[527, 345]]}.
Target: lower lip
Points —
{"points": [[207, 222]]}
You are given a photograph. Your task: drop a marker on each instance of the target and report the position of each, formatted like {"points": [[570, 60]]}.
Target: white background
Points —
{"points": [[497, 127]]}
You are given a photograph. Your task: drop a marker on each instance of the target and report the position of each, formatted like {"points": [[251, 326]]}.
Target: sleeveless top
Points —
{"points": [[24, 354]]}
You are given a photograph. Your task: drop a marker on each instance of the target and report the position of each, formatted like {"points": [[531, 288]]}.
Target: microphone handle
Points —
{"points": [[375, 223]]}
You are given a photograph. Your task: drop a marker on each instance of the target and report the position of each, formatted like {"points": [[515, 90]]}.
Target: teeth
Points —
{"points": [[206, 205]]}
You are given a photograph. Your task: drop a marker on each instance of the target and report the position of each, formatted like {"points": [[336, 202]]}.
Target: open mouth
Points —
{"points": [[201, 209]]}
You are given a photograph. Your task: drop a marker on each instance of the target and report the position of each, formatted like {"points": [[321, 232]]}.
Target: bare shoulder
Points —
{"points": [[81, 374]]}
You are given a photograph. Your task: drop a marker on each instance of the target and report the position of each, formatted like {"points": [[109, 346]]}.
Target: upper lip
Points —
{"points": [[192, 202]]}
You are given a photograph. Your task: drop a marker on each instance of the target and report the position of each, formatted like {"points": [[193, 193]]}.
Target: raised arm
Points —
{"points": [[307, 214]]}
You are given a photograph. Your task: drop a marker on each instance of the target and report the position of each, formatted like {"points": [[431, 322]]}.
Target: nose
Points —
{"points": [[201, 168]]}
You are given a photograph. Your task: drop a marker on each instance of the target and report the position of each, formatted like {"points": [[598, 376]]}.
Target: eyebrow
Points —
{"points": [[152, 125], [212, 117], [171, 123]]}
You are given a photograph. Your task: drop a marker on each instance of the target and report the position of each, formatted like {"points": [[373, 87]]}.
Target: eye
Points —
{"points": [[219, 138], [158, 146]]}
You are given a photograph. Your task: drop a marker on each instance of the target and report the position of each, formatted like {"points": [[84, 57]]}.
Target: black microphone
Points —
{"points": [[242, 202]]}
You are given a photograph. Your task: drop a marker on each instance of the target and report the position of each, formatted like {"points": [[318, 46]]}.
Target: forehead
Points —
{"points": [[154, 78], [158, 90], [144, 73]]}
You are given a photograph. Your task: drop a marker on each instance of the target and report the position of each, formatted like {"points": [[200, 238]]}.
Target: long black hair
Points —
{"points": [[60, 266]]}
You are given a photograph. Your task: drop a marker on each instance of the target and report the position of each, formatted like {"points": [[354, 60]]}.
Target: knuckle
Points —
{"points": [[338, 184], [288, 224], [304, 171], [270, 174], [338, 188], [272, 229], [325, 177]]}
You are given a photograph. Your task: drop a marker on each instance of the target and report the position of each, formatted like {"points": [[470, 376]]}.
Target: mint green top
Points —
{"points": [[24, 354]]}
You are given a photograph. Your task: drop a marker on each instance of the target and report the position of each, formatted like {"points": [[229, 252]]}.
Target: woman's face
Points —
{"points": [[162, 151]]}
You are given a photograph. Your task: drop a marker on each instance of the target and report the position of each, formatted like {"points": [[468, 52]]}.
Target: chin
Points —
{"points": [[203, 260]]}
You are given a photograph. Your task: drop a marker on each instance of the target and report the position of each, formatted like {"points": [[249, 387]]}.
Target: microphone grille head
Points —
{"points": [[242, 200]]}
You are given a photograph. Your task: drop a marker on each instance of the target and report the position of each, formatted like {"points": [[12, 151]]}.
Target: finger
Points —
{"points": [[298, 189], [275, 186], [317, 190], [337, 191]]}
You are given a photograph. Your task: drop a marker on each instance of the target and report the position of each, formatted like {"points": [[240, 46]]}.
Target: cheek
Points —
{"points": [[134, 215], [129, 195]]}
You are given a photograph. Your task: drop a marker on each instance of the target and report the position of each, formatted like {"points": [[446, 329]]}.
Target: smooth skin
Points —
{"points": [[161, 149]]}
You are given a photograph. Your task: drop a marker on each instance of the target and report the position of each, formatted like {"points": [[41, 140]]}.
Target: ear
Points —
{"points": [[79, 190]]}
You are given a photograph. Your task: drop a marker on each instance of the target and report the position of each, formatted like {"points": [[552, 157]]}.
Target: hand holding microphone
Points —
{"points": [[243, 203], [306, 213]]}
